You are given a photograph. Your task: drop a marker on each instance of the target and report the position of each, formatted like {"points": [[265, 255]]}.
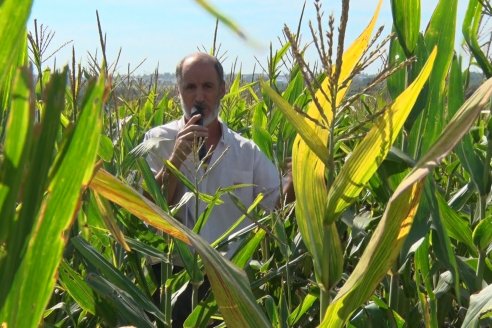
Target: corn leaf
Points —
{"points": [[110, 221], [371, 151], [396, 83], [229, 284], [456, 226], [13, 19], [480, 303], [259, 132], [15, 149], [115, 277], [406, 20], [440, 33], [468, 156], [482, 235], [421, 52], [305, 305], [302, 125], [37, 271], [309, 167], [111, 188], [470, 29], [222, 18], [78, 289], [125, 306], [423, 277], [387, 239]]}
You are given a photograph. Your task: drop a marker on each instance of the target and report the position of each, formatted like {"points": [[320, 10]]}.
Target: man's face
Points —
{"points": [[200, 86]]}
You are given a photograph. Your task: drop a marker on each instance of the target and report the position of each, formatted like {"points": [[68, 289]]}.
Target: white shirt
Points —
{"points": [[236, 160]]}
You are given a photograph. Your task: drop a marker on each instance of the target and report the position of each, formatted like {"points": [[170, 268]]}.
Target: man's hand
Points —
{"points": [[185, 139]]}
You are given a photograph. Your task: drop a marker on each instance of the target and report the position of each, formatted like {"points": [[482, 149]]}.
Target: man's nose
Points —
{"points": [[199, 96]]}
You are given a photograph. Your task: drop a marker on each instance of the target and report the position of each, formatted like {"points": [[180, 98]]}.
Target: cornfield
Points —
{"points": [[391, 226]]}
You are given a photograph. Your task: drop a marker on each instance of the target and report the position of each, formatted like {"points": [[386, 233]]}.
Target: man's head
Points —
{"points": [[200, 80]]}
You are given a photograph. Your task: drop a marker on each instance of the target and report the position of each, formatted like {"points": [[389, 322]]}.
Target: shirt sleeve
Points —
{"points": [[159, 152]]}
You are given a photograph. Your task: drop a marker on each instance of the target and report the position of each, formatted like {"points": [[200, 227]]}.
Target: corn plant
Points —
{"points": [[390, 225]]}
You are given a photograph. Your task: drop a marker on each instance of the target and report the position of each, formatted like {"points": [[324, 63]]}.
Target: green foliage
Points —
{"points": [[392, 226]]}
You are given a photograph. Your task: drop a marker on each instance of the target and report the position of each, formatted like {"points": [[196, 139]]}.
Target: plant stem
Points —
{"points": [[393, 292], [324, 301], [194, 294], [165, 291], [480, 269]]}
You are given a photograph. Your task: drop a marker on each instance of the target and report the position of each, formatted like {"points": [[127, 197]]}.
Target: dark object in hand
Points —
{"points": [[203, 149]]}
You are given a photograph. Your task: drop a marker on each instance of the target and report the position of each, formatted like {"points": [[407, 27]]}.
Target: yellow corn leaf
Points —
{"points": [[111, 188], [309, 174], [386, 242], [371, 151], [352, 55], [379, 254], [307, 132], [230, 284], [110, 221]]}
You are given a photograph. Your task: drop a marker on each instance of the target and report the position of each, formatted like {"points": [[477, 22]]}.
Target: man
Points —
{"points": [[231, 159]]}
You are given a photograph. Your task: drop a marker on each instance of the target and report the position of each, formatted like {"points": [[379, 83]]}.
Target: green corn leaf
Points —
{"points": [[222, 18], [295, 89], [387, 239], [78, 289], [190, 186], [442, 244], [127, 310], [13, 19], [115, 277], [146, 250], [75, 163], [242, 257], [423, 276], [151, 184], [305, 305], [279, 55], [106, 148], [406, 20], [396, 83], [482, 235], [467, 154], [40, 159], [421, 52], [470, 29], [229, 284], [15, 149], [371, 151], [200, 317], [440, 33], [39, 156], [259, 132], [457, 227]]}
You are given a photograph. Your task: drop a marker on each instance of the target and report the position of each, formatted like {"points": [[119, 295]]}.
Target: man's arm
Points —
{"points": [[182, 148], [288, 193]]}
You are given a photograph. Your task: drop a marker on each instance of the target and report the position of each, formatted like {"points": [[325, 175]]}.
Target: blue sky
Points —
{"points": [[163, 31]]}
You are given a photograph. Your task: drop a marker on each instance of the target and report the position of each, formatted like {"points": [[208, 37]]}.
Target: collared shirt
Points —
{"points": [[235, 160]]}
